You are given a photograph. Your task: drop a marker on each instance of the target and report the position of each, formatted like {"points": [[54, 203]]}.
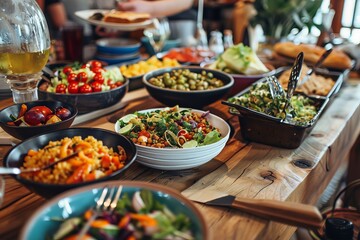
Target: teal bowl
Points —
{"points": [[75, 202]]}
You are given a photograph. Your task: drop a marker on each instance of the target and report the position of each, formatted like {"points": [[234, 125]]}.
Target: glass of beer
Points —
{"points": [[24, 47]]}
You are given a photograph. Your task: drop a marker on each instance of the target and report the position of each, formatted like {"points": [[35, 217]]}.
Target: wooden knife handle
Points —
{"points": [[291, 213]]}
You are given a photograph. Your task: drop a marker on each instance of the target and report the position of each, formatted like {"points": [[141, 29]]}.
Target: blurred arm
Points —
{"points": [[156, 8]]}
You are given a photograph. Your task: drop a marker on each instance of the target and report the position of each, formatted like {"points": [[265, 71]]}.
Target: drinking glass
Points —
{"points": [[158, 33], [24, 47]]}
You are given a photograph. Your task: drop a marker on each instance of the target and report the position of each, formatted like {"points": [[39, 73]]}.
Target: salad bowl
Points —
{"points": [[96, 96], [179, 157], [74, 203], [24, 131], [197, 98]]}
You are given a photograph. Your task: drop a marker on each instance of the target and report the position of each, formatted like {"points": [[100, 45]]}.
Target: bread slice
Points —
{"points": [[337, 59], [125, 17]]}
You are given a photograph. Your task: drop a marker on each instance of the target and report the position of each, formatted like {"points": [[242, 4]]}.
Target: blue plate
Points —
{"points": [[76, 202], [117, 46]]}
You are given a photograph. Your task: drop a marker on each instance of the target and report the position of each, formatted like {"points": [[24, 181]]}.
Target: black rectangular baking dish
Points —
{"points": [[338, 77], [262, 128]]}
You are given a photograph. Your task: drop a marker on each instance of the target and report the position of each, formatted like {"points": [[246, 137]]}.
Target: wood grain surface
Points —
{"points": [[243, 169]]}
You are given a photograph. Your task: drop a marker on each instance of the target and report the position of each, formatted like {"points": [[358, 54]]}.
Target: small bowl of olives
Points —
{"points": [[24, 120], [187, 86]]}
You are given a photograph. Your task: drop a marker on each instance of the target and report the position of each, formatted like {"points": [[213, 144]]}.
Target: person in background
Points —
{"points": [[164, 8], [181, 16], [55, 14]]}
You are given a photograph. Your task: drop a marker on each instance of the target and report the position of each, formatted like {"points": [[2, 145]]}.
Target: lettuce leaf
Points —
{"points": [[243, 59]]}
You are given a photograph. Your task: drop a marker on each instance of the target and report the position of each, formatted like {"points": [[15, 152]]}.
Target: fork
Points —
{"points": [[274, 87], [102, 204]]}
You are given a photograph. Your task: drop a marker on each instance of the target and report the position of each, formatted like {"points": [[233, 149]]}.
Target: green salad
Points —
{"points": [[301, 108], [140, 216], [169, 127]]}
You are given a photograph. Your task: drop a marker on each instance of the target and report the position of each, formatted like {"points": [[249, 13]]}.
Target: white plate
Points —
{"points": [[86, 14]]}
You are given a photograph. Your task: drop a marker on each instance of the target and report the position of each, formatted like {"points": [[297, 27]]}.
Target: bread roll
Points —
{"points": [[337, 59], [125, 17]]}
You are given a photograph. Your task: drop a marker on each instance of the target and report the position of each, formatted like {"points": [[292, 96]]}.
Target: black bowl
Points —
{"points": [[86, 102], [192, 99], [14, 158], [25, 132]]}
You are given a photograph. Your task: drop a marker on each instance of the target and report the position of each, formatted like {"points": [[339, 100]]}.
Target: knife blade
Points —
{"points": [[291, 213]]}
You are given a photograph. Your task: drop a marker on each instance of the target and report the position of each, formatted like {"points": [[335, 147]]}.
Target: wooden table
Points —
{"points": [[243, 168]]}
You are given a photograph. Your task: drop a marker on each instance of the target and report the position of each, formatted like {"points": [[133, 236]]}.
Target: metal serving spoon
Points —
{"points": [[16, 171]]}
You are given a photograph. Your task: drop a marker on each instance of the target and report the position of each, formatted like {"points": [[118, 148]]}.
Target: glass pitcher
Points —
{"points": [[24, 47]]}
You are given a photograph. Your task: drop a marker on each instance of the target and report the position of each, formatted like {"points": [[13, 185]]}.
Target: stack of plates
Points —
{"points": [[117, 50], [183, 158]]}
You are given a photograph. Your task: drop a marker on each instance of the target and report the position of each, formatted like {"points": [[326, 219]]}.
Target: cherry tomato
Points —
{"points": [[97, 70], [60, 88], [67, 70], [96, 86], [185, 134], [109, 82], [43, 109], [144, 133], [112, 86], [85, 66], [82, 77], [86, 88], [118, 83], [94, 64], [99, 78], [72, 77], [73, 87]]}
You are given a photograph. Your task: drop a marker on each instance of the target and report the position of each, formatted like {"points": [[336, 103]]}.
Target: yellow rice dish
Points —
{"points": [[93, 161]]}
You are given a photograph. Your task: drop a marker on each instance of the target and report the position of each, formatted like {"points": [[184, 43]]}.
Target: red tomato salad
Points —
{"points": [[87, 78]]}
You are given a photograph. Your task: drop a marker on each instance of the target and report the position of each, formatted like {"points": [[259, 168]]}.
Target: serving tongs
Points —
{"points": [[316, 65], [293, 80]]}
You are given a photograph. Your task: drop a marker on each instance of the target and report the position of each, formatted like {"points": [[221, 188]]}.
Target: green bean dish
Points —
{"points": [[185, 80], [302, 109]]}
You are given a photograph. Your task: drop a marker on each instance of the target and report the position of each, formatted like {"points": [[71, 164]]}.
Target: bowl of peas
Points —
{"points": [[187, 86]]}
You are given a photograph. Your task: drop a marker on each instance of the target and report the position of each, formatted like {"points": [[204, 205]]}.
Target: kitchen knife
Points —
{"points": [[290, 213]]}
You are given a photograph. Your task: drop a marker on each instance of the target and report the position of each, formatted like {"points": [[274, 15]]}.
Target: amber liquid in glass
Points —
{"points": [[23, 63]]}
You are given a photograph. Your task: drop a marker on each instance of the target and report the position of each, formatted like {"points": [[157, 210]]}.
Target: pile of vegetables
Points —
{"points": [[38, 116], [86, 78], [239, 59], [170, 127], [139, 217], [302, 108]]}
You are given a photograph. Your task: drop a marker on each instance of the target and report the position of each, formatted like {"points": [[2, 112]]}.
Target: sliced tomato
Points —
{"points": [[144, 133]]}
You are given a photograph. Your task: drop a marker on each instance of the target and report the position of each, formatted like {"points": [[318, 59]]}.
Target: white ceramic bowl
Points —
{"points": [[182, 158]]}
